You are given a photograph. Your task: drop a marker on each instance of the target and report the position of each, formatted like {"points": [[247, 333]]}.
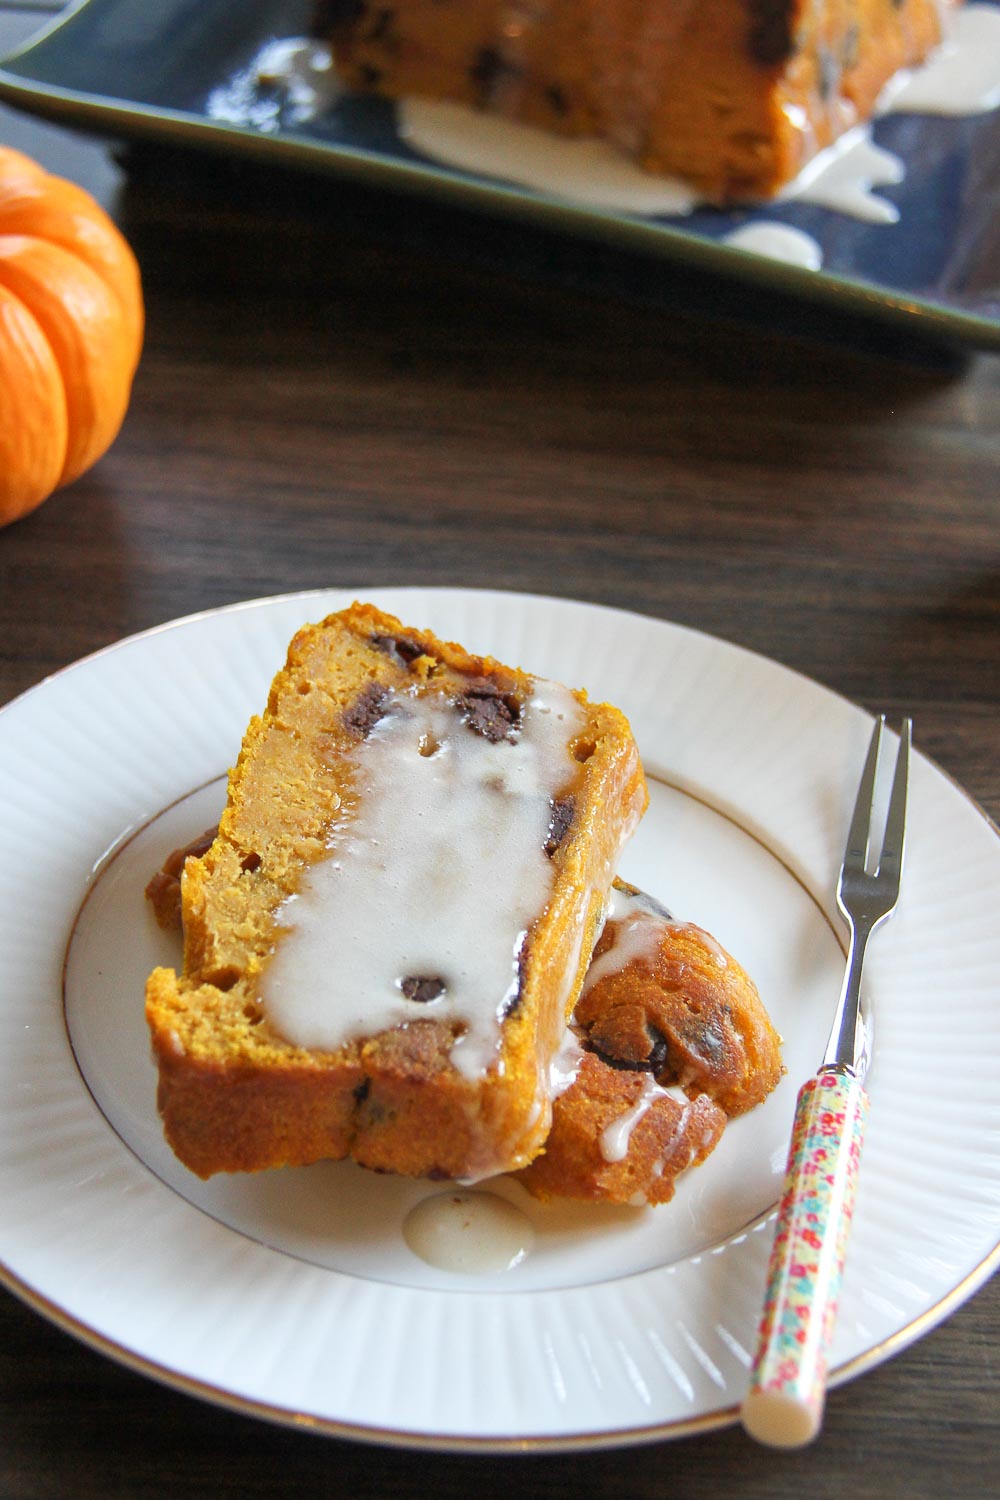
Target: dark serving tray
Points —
{"points": [[148, 72]]}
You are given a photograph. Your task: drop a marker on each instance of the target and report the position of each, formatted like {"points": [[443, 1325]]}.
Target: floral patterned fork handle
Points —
{"points": [[784, 1405]]}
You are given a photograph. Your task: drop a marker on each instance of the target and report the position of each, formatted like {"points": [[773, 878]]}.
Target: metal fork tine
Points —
{"points": [[891, 857], [866, 898], [856, 853]]}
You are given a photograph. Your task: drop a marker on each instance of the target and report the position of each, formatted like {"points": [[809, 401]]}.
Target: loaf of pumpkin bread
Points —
{"points": [[735, 96], [384, 940]]}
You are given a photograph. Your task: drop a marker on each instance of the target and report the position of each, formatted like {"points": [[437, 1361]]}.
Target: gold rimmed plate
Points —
{"points": [[293, 1295]]}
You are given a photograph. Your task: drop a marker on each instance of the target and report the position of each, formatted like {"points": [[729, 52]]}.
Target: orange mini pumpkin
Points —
{"points": [[71, 326]]}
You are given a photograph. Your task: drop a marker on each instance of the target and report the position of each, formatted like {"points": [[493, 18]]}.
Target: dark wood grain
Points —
{"points": [[342, 389]]}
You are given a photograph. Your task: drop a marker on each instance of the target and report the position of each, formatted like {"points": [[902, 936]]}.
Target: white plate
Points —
{"points": [[292, 1294]]}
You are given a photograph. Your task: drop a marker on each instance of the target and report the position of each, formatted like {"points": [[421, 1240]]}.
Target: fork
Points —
{"points": [[784, 1405]]}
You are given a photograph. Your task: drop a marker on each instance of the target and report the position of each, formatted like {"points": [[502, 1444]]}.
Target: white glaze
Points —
{"points": [[596, 175], [565, 1066], [439, 874], [589, 172], [778, 242], [559, 1076], [470, 1233], [962, 78], [639, 934], [615, 1138], [845, 175]]}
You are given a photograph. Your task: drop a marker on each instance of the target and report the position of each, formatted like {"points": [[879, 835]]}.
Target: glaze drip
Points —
{"points": [[422, 906]]}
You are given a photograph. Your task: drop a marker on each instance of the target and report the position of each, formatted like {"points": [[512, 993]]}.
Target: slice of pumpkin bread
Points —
{"points": [[385, 939], [673, 1040]]}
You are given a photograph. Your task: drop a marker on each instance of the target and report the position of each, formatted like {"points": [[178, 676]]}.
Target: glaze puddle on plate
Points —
{"points": [[334, 1214], [468, 1232]]}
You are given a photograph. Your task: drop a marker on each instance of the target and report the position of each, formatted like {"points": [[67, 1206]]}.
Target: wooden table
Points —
{"points": [[339, 389]]}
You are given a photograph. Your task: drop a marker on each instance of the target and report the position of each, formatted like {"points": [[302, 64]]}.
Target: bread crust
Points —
{"points": [[661, 1136], [685, 1010], [677, 1041]]}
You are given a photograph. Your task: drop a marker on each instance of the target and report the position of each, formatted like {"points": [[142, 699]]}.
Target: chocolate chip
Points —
{"points": [[852, 39], [399, 647], [654, 1061], [556, 97], [771, 40], [383, 28], [335, 15], [650, 904], [366, 710], [829, 73], [563, 809], [369, 75], [362, 1090], [422, 988], [623, 1064], [489, 711], [659, 1051], [489, 717], [705, 1039], [511, 1005], [488, 71], [643, 900], [513, 998]]}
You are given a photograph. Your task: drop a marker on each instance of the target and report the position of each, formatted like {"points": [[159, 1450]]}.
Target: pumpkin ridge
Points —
{"points": [[85, 325], [63, 214], [33, 416]]}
